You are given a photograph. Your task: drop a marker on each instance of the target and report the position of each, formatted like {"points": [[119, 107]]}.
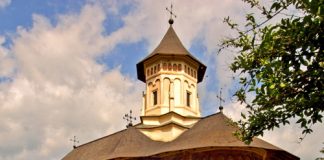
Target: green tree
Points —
{"points": [[322, 151], [281, 63]]}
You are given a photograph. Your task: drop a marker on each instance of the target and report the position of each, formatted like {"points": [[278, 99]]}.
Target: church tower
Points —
{"points": [[171, 102], [171, 114]]}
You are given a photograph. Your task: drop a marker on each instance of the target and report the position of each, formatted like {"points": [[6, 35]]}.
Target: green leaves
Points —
{"points": [[282, 64], [275, 6]]}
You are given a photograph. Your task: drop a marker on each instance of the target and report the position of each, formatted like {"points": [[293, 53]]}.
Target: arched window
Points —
{"points": [[174, 67], [188, 98], [158, 67], [155, 97], [179, 67], [165, 66], [169, 66]]}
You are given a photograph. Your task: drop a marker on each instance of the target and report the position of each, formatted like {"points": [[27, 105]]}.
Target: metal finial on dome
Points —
{"points": [[221, 108], [171, 21], [171, 14], [129, 118], [75, 141], [220, 100]]}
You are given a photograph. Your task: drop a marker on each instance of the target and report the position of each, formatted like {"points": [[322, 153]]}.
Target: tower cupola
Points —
{"points": [[170, 103]]}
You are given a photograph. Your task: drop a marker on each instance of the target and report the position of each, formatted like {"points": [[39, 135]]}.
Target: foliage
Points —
{"points": [[281, 63], [322, 151]]}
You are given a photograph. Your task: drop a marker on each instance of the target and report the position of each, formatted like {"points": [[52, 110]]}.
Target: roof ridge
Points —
{"points": [[109, 135]]}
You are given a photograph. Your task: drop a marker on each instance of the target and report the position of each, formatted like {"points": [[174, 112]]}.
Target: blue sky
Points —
{"points": [[69, 68], [19, 13]]}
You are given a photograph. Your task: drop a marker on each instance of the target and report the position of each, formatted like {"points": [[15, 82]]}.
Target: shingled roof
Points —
{"points": [[170, 45], [211, 131]]}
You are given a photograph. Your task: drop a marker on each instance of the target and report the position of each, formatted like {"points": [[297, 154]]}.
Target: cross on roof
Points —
{"points": [[129, 118], [171, 14], [220, 100], [74, 140]]}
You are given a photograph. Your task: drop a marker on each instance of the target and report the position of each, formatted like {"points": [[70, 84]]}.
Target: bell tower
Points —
{"points": [[170, 102]]}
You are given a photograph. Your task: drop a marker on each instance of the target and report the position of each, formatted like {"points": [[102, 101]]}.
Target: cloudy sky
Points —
{"points": [[68, 68]]}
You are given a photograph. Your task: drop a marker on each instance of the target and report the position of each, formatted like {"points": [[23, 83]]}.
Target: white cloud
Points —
{"points": [[4, 3], [6, 60], [59, 90], [287, 137]]}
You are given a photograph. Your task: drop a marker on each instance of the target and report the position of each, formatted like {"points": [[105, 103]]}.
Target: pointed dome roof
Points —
{"points": [[170, 45]]}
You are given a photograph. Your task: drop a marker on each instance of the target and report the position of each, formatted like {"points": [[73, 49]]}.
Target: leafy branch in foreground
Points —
{"points": [[281, 64], [322, 151]]}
